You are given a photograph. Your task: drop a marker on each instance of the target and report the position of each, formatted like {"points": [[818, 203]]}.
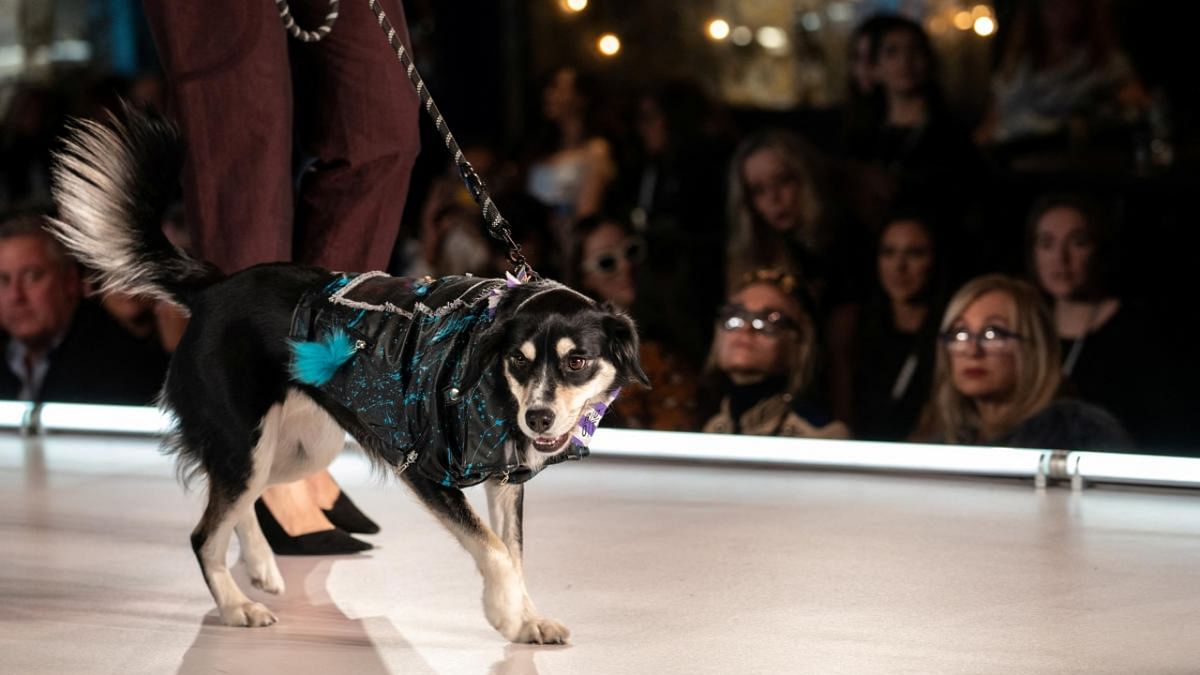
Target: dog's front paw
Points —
{"points": [[247, 614], [542, 632], [265, 576]]}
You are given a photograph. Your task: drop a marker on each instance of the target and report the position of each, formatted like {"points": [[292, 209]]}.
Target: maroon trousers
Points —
{"points": [[350, 105]]}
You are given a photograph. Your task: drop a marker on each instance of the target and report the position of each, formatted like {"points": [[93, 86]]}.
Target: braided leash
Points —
{"points": [[289, 22], [497, 225]]}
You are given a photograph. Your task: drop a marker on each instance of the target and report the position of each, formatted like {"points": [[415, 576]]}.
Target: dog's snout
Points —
{"points": [[539, 419]]}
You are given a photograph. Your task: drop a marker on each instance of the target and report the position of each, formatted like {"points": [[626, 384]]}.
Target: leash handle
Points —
{"points": [[289, 22]]}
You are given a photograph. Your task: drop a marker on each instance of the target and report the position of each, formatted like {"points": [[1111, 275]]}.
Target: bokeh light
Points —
{"points": [[984, 26], [609, 44], [718, 29]]}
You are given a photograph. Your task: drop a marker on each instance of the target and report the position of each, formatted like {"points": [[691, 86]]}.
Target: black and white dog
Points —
{"points": [[447, 382]]}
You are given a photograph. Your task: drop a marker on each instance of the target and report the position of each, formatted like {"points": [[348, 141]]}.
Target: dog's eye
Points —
{"points": [[576, 363], [518, 359]]}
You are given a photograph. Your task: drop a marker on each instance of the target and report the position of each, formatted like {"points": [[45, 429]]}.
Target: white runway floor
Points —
{"points": [[656, 569]]}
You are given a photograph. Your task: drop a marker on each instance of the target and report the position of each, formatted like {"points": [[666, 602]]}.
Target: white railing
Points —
{"points": [[1080, 466]]}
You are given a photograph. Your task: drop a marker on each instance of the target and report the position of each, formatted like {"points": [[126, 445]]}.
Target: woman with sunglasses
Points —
{"points": [[604, 264], [998, 376], [763, 359]]}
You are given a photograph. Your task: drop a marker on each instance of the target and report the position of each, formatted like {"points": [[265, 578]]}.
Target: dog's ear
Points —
{"points": [[624, 347]]}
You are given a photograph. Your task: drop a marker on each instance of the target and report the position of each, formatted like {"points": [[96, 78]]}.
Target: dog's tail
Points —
{"points": [[113, 184]]}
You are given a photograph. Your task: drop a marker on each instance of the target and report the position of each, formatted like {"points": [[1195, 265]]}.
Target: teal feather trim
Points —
{"points": [[315, 363]]}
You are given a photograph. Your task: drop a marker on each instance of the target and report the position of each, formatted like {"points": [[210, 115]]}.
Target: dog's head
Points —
{"points": [[560, 354]]}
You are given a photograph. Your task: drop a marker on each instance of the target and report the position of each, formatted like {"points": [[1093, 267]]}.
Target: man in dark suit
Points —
{"points": [[57, 345]]}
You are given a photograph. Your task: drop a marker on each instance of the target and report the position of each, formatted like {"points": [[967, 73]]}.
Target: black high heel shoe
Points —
{"points": [[346, 515], [324, 542]]}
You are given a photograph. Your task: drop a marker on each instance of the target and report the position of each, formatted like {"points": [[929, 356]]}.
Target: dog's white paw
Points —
{"points": [[249, 614], [265, 576], [542, 632]]}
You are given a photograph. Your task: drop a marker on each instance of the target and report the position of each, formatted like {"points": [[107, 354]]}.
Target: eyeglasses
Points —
{"points": [[770, 322], [992, 340], [633, 251]]}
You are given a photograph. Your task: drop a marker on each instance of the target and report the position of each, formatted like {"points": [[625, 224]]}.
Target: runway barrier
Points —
{"points": [[1079, 467]]}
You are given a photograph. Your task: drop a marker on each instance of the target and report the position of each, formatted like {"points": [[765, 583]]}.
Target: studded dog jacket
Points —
{"points": [[401, 356]]}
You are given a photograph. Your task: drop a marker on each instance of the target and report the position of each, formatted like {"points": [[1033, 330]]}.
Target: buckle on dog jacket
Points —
{"points": [[396, 353]]}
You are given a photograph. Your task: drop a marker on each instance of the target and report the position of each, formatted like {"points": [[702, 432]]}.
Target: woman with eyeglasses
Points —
{"points": [[998, 378], [781, 218], [762, 359], [604, 264]]}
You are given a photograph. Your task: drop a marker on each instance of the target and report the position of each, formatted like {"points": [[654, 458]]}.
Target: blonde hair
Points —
{"points": [[753, 243], [800, 348], [1039, 371]]}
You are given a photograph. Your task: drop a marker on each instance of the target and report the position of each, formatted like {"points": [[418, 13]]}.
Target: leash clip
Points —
{"points": [[408, 461]]}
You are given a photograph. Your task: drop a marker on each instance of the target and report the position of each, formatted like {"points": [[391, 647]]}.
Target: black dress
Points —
{"points": [[1120, 368], [892, 378]]}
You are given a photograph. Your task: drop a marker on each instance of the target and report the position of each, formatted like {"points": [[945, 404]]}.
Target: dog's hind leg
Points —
{"points": [[505, 602], [210, 541], [304, 439], [233, 508]]}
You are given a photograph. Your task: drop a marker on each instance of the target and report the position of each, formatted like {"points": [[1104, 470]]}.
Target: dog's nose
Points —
{"points": [[539, 419]]}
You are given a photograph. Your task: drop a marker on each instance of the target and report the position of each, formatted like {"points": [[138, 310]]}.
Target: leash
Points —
{"points": [[496, 225]]}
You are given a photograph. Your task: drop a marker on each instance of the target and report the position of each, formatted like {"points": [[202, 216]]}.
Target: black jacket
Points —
{"points": [[97, 362], [1069, 424], [412, 374]]}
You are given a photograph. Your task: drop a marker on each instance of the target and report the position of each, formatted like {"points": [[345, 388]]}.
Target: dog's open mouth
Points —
{"points": [[550, 444]]}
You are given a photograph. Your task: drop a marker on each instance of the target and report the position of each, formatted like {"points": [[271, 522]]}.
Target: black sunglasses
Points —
{"points": [[633, 251]]}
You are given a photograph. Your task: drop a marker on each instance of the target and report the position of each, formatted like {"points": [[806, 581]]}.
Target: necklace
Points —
{"points": [[1077, 348]]}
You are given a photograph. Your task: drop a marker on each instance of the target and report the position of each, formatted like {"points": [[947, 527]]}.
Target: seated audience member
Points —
{"points": [[1106, 342], [763, 359], [671, 185], [894, 351], [861, 107], [1061, 66], [780, 218], [57, 345], [913, 145], [451, 237], [572, 166], [603, 265], [998, 378]]}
